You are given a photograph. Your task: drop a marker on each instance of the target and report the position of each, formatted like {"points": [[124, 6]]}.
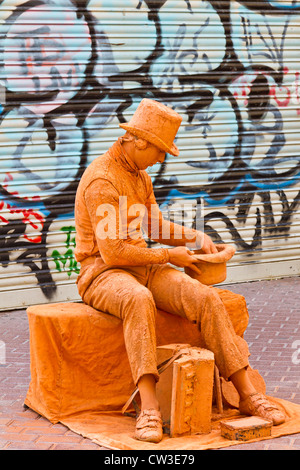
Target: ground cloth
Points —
{"points": [[117, 432], [80, 374]]}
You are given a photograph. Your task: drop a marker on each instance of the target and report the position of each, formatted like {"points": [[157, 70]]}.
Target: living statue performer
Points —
{"points": [[122, 276]]}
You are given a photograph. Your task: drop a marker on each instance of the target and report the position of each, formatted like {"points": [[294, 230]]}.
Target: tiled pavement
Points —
{"points": [[273, 335]]}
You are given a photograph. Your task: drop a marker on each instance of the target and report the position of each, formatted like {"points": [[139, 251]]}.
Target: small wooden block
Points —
{"points": [[244, 429]]}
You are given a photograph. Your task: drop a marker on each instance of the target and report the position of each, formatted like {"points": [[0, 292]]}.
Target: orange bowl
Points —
{"points": [[213, 266]]}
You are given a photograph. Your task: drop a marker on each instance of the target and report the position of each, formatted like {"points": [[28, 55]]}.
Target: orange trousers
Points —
{"points": [[133, 296]]}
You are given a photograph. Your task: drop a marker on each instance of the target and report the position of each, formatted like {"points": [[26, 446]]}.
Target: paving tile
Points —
{"points": [[273, 335]]}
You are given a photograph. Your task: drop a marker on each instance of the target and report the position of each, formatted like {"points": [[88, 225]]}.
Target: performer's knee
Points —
{"points": [[209, 304], [140, 303]]}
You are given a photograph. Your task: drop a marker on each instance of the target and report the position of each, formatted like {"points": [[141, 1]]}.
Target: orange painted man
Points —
{"points": [[120, 275]]}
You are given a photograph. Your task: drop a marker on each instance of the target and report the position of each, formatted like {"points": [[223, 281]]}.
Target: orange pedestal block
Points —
{"points": [[78, 356]]}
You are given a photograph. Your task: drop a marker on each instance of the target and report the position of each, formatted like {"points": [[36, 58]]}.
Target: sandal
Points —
{"points": [[149, 426], [257, 404]]}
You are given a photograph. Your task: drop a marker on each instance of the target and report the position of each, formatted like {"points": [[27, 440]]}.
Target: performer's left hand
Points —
{"points": [[205, 243]]}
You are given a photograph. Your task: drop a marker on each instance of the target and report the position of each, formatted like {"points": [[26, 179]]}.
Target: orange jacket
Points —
{"points": [[110, 225]]}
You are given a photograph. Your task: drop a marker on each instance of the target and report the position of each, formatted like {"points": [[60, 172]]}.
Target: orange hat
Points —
{"points": [[156, 123]]}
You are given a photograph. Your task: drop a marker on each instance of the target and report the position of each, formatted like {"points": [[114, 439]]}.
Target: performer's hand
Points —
{"points": [[208, 246], [205, 243], [182, 257]]}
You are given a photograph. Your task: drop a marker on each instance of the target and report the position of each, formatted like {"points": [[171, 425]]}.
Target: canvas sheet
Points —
{"points": [[115, 431]]}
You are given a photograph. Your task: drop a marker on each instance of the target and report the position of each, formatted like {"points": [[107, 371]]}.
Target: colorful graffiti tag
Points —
{"points": [[74, 69]]}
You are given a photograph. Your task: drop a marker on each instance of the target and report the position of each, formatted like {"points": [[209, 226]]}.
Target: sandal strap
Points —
{"points": [[258, 404], [149, 419]]}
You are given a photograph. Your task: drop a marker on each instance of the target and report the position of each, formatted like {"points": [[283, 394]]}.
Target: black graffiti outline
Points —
{"points": [[91, 92], [256, 243]]}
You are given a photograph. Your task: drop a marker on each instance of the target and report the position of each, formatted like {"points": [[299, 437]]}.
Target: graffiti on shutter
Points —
{"points": [[72, 70]]}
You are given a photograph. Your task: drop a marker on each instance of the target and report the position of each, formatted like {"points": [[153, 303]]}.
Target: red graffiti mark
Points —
{"points": [[274, 91], [297, 91], [34, 198], [1, 217], [29, 58], [7, 179], [33, 240], [29, 217]]}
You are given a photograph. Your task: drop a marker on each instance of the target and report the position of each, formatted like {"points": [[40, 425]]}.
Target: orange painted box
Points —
{"points": [[244, 429]]}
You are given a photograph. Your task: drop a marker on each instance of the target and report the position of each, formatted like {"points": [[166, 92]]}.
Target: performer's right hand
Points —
{"points": [[182, 257]]}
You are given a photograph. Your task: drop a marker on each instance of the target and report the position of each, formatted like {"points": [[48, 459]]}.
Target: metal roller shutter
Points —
{"points": [[72, 70]]}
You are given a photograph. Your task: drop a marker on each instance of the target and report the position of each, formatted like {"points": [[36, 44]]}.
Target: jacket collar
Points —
{"points": [[121, 157]]}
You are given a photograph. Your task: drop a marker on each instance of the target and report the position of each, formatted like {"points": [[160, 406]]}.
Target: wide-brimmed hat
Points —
{"points": [[156, 123]]}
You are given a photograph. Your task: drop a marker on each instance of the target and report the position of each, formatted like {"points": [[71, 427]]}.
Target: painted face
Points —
{"points": [[149, 156]]}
